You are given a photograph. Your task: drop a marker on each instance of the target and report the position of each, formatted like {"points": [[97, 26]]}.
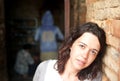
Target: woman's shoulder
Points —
{"points": [[42, 67], [46, 62]]}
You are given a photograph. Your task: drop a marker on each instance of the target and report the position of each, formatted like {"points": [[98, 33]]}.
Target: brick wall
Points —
{"points": [[107, 14]]}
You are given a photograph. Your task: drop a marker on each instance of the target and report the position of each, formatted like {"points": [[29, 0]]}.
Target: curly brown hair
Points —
{"points": [[64, 52]]}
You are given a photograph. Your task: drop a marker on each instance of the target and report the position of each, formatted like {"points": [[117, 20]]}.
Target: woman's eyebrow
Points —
{"points": [[83, 43], [96, 50]]}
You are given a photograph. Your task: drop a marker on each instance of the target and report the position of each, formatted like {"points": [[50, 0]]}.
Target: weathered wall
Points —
{"points": [[77, 12], [107, 14], [3, 68]]}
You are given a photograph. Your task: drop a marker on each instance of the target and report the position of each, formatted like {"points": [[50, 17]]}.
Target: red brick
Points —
{"points": [[110, 74], [105, 78], [90, 1], [111, 59], [113, 41], [114, 27]]}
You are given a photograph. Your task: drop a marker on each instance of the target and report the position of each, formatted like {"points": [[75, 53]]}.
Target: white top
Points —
{"points": [[46, 72], [23, 60]]}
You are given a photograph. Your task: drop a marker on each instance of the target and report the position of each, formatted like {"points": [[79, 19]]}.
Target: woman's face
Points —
{"points": [[84, 51]]}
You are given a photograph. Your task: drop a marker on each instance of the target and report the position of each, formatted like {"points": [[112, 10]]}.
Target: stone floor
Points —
{"points": [[16, 77], [21, 79], [13, 76]]}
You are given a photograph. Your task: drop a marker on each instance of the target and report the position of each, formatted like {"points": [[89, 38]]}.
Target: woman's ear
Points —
{"points": [[70, 48]]}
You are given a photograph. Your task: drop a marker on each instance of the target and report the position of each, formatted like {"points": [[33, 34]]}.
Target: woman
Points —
{"points": [[79, 59]]}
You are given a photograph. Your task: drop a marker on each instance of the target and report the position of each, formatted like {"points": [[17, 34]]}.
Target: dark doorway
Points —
{"points": [[19, 11]]}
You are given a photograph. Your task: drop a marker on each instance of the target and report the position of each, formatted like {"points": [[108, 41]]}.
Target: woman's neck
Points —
{"points": [[70, 73]]}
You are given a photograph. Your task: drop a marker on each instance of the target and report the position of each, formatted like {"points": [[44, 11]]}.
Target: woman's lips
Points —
{"points": [[80, 62]]}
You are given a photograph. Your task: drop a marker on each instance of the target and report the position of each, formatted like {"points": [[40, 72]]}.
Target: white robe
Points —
{"points": [[46, 72]]}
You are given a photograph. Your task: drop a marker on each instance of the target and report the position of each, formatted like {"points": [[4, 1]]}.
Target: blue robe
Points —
{"points": [[47, 34]]}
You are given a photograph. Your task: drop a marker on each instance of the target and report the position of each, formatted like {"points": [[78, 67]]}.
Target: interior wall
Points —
{"points": [[3, 64], [35, 9]]}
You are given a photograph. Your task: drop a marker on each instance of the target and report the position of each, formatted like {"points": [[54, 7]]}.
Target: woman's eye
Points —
{"points": [[82, 46], [93, 52]]}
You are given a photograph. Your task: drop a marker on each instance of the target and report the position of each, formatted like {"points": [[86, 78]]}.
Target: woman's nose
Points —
{"points": [[85, 54]]}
